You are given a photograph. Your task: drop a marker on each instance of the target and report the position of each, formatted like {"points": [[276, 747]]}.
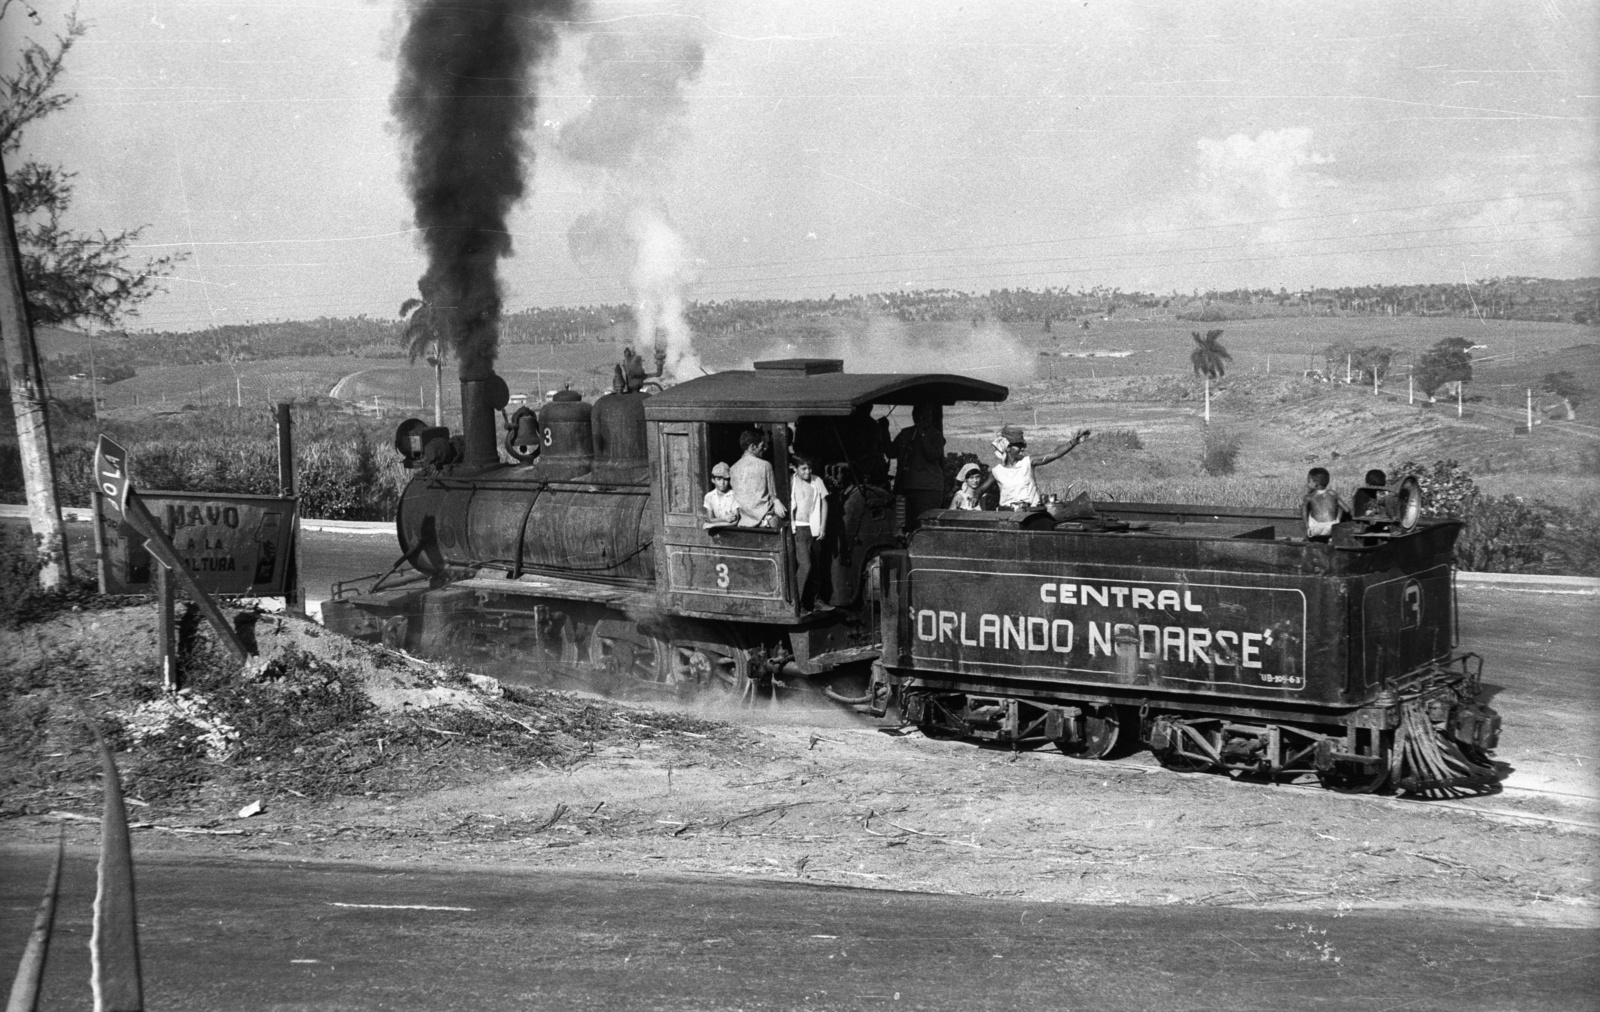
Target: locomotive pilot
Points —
{"points": [[1014, 473]]}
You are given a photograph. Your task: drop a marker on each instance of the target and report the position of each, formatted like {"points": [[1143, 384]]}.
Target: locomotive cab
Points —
{"points": [[721, 571]]}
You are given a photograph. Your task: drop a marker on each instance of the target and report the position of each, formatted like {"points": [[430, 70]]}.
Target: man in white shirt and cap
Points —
{"points": [[1014, 473]]}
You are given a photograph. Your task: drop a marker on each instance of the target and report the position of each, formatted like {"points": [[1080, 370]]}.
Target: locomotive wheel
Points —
{"points": [[559, 638], [1102, 727], [620, 648], [711, 667], [396, 630]]}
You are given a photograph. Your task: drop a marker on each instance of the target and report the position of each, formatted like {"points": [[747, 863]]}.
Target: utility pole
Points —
{"points": [[28, 404]]}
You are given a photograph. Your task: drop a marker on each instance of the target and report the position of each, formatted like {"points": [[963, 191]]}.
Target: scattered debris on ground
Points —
{"points": [[313, 715], [325, 748]]}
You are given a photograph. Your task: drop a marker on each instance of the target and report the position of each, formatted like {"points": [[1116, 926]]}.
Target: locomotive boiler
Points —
{"points": [[1223, 639], [590, 554]]}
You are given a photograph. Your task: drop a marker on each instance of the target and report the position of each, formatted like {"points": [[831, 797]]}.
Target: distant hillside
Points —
{"points": [[1530, 299]]}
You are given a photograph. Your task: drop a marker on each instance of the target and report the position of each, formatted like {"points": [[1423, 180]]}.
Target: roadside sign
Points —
{"points": [[111, 476], [232, 545]]}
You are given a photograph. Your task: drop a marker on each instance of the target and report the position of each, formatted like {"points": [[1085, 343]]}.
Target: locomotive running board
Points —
{"points": [[566, 590]]}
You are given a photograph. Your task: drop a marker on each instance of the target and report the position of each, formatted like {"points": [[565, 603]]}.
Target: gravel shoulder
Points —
{"points": [[473, 772]]}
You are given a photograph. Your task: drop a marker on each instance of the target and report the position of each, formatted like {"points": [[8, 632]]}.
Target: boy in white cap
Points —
{"points": [[1014, 473], [967, 481], [720, 505]]}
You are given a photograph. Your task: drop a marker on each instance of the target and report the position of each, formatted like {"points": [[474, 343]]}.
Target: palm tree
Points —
{"points": [[1208, 358], [424, 336]]}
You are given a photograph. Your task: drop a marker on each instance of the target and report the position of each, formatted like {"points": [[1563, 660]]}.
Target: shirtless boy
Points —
{"points": [[1322, 506]]}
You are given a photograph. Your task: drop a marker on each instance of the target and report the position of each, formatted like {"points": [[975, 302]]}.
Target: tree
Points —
{"points": [[1565, 386], [1448, 361], [1365, 362], [1209, 355], [69, 276], [424, 334]]}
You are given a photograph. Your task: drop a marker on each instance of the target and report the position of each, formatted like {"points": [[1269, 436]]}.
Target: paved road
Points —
{"points": [[279, 935]]}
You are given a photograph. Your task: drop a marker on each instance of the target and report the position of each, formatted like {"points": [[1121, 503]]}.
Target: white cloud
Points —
{"points": [[1240, 178]]}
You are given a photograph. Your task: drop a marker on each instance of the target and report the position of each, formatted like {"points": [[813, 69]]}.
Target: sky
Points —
{"points": [[725, 149]]}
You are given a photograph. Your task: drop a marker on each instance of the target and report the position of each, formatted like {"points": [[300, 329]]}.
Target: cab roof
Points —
{"points": [[786, 389]]}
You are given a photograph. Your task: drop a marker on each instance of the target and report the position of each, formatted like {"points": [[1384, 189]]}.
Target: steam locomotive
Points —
{"points": [[1223, 639]]}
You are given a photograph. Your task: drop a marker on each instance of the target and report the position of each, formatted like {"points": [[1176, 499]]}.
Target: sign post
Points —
{"points": [[120, 506], [166, 630]]}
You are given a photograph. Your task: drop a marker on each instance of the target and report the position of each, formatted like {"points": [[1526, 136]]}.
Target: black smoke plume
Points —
{"points": [[466, 95]]}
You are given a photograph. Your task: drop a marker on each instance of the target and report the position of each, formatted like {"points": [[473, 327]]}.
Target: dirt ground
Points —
{"points": [[407, 762]]}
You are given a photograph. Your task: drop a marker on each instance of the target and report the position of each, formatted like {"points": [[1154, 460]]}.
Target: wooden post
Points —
{"points": [[292, 600], [28, 407], [1458, 398], [166, 628], [1411, 388], [1530, 411], [1208, 402], [285, 449]]}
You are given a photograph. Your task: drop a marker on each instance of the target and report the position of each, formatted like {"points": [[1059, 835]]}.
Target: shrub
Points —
{"points": [[1219, 454], [1118, 439], [1571, 540], [342, 473], [1502, 535], [22, 600]]}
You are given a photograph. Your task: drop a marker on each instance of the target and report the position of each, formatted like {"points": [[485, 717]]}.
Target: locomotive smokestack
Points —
{"points": [[466, 94], [481, 401]]}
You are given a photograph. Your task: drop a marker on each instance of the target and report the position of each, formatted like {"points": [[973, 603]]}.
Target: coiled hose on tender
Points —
{"points": [[1427, 763]]}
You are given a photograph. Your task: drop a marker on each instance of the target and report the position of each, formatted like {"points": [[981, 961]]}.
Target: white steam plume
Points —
{"points": [[636, 73]]}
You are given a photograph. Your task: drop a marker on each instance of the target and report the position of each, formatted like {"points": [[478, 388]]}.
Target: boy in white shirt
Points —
{"points": [[720, 505], [1014, 473], [808, 510]]}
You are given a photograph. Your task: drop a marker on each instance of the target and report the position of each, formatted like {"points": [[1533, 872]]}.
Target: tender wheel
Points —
{"points": [[1355, 778], [620, 649], [1101, 731], [1185, 754], [1177, 762]]}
